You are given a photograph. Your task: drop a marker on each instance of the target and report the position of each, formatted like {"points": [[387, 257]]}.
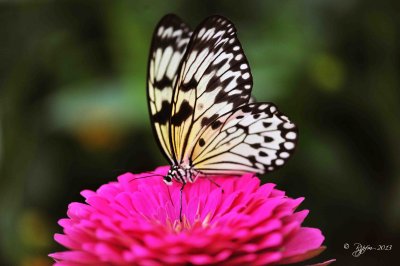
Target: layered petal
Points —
{"points": [[136, 222]]}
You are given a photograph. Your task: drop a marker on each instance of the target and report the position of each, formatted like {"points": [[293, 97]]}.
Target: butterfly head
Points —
{"points": [[168, 178]]}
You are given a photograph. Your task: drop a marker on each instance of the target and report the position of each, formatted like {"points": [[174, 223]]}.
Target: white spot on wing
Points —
{"points": [[164, 62], [238, 57], [291, 135], [289, 145], [284, 155]]}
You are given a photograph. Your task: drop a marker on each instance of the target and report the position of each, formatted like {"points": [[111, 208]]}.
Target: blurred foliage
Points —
{"points": [[73, 111]]}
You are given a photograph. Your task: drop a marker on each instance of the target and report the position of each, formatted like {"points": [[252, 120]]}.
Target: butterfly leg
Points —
{"points": [[254, 175], [180, 208], [215, 183], [211, 180]]}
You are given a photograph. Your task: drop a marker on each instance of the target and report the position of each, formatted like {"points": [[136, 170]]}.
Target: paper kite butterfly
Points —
{"points": [[199, 89]]}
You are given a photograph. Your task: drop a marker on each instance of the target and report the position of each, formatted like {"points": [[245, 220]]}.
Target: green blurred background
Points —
{"points": [[73, 111]]}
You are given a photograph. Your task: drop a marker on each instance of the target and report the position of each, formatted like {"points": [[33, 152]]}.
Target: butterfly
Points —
{"points": [[199, 98]]}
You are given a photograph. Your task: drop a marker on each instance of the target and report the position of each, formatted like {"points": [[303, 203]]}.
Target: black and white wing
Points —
{"points": [[199, 88], [214, 79], [170, 40], [253, 138]]}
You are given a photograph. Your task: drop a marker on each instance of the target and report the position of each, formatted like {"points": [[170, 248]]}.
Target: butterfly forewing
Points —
{"points": [[214, 79], [170, 40], [199, 93], [253, 138]]}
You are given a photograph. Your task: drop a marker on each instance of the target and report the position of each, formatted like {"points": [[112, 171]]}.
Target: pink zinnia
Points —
{"points": [[137, 223]]}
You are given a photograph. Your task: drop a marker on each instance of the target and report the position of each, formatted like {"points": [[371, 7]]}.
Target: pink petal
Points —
{"points": [[328, 262], [136, 221], [304, 240], [302, 257]]}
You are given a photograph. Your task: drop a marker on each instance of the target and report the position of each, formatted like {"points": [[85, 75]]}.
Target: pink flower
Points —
{"points": [[137, 223]]}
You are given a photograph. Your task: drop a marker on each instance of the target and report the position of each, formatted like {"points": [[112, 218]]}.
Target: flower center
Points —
{"points": [[178, 226]]}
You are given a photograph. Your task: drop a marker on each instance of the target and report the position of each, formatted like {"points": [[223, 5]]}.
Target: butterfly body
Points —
{"points": [[182, 174], [199, 98]]}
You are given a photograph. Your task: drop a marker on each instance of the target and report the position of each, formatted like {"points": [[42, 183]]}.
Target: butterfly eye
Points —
{"points": [[168, 180]]}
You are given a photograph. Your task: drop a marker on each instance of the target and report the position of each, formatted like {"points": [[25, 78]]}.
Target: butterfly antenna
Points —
{"points": [[147, 176]]}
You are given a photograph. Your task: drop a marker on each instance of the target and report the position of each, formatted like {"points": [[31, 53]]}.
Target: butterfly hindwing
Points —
{"points": [[214, 79], [199, 95], [170, 40], [253, 138]]}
